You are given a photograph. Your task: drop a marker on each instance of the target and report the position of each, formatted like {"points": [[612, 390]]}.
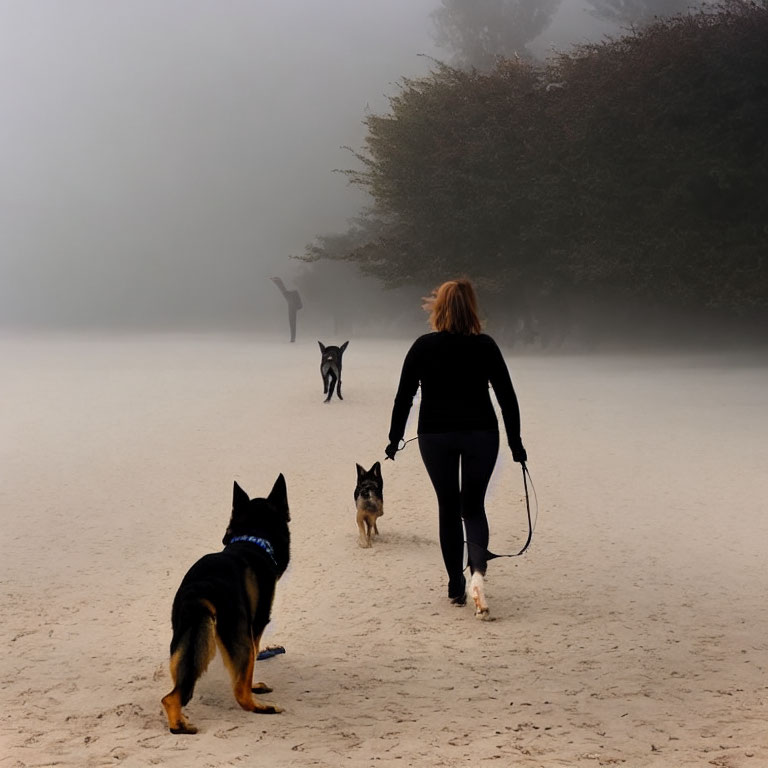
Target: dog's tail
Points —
{"points": [[193, 645]]}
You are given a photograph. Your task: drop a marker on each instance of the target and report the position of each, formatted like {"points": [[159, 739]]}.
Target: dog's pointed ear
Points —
{"points": [[376, 469], [278, 496], [322, 346], [360, 471], [343, 347], [239, 497], [240, 500]]}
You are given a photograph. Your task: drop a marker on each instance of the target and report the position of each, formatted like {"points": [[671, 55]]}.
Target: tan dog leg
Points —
{"points": [[176, 720], [364, 539], [177, 723], [259, 687], [242, 684]]}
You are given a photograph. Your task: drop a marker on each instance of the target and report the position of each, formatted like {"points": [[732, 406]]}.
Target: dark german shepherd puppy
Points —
{"points": [[330, 368], [369, 501], [225, 600]]}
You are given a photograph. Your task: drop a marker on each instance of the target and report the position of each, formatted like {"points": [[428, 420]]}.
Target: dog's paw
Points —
{"points": [[364, 544], [268, 709], [483, 615], [262, 688], [184, 729]]}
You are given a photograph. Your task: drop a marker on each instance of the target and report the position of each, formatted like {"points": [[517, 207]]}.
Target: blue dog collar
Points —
{"points": [[263, 543]]}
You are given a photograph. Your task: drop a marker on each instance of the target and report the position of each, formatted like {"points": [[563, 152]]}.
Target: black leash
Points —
{"points": [[531, 522]]}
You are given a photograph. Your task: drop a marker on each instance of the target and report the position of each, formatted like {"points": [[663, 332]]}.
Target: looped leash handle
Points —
{"points": [[490, 555]]}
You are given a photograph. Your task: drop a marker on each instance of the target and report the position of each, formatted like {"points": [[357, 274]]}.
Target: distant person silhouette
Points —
{"points": [[294, 304]]}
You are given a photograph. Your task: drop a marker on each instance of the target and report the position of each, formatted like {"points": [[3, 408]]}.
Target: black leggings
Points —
{"points": [[460, 465]]}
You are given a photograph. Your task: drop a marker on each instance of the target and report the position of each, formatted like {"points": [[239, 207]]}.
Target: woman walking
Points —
{"points": [[458, 431]]}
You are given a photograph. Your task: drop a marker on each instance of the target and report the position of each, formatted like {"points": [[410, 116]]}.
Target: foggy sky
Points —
{"points": [[159, 159]]}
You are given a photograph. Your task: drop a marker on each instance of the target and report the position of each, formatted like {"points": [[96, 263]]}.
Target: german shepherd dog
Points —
{"points": [[330, 369], [369, 500], [225, 600]]}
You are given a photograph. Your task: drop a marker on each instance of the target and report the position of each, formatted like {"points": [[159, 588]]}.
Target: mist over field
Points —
{"points": [[160, 161]]}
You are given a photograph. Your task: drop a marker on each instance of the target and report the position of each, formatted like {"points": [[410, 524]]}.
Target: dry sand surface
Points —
{"points": [[634, 632]]}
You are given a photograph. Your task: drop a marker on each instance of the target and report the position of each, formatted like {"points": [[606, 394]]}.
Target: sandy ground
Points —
{"points": [[634, 632]]}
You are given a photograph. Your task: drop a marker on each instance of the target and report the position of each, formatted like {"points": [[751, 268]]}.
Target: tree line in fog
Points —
{"points": [[630, 172]]}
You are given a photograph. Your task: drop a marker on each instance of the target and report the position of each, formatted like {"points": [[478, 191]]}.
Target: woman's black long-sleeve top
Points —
{"points": [[454, 371]]}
